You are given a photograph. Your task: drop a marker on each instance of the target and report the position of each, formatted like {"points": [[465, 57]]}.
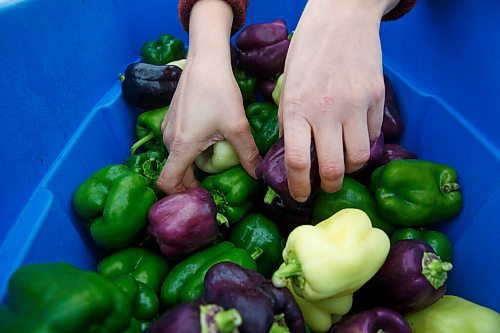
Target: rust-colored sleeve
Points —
{"points": [[403, 7], [239, 10]]}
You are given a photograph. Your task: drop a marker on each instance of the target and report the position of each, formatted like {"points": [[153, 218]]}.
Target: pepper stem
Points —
{"points": [[435, 270], [291, 269], [221, 219], [151, 168], [450, 187], [380, 331], [270, 196], [140, 142], [226, 321], [257, 253], [121, 77]]}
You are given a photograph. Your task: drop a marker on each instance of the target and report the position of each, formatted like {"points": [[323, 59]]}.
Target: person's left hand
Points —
{"points": [[333, 91]]}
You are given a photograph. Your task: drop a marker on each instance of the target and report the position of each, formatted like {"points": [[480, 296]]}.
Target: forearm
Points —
{"points": [[210, 29]]}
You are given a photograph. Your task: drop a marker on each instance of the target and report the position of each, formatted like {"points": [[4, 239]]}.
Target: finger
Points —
{"points": [[244, 144], [356, 142], [189, 180], [174, 171], [330, 150], [297, 132]]}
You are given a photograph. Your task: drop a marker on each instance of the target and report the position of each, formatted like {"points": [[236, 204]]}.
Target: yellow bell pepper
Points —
{"points": [[321, 315], [453, 314], [333, 258]]}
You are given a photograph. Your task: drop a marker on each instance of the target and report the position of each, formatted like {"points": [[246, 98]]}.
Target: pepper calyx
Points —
{"points": [[290, 270], [435, 270], [450, 187]]}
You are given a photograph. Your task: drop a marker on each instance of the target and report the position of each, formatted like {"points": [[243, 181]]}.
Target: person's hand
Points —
{"points": [[333, 90], [207, 106]]}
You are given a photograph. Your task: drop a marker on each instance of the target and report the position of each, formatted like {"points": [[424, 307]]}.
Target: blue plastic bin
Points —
{"points": [[62, 116]]}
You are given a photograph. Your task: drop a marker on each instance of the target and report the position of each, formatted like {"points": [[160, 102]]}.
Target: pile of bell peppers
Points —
{"points": [[239, 254]]}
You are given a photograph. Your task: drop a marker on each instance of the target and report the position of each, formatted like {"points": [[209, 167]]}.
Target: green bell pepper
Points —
{"points": [[185, 280], [247, 85], [143, 265], [148, 130], [217, 158], [233, 192], [257, 232], [416, 192], [263, 120], [114, 203], [277, 89], [352, 194], [437, 240], [149, 165], [58, 297], [166, 49], [145, 304]]}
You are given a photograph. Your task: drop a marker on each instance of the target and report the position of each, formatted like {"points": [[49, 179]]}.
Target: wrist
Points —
{"points": [[210, 28], [370, 9]]}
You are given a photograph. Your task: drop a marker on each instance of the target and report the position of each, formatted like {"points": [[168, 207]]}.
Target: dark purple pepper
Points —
{"points": [[393, 151], [149, 86], [254, 296], [183, 222], [373, 321], [392, 124], [390, 152], [271, 171], [266, 88], [376, 149], [263, 48], [286, 219], [189, 317], [413, 276]]}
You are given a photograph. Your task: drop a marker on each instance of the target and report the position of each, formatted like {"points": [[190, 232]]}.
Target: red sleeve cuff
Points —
{"points": [[239, 10], [403, 7]]}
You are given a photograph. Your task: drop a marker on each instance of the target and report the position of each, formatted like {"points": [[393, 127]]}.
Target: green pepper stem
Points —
{"points": [[221, 219], [435, 270], [289, 270], [121, 77], [141, 141], [270, 196], [226, 321], [450, 187], [151, 168], [257, 253], [380, 331]]}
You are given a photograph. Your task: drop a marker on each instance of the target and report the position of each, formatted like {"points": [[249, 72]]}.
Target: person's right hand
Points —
{"points": [[207, 106]]}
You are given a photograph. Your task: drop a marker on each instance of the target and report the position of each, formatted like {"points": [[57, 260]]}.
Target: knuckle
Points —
{"points": [[359, 157], [378, 93], [240, 128], [296, 161], [331, 171]]}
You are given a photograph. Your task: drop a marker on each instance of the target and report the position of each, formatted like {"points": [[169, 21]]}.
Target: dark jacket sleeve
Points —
{"points": [[240, 10]]}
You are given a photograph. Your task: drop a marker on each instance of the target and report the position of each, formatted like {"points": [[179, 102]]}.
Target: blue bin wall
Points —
{"points": [[63, 116]]}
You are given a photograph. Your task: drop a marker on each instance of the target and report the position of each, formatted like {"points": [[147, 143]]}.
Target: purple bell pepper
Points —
{"points": [[254, 296], [271, 171], [193, 317], [392, 124], [373, 321], [266, 88], [263, 48], [412, 277], [184, 222], [394, 151]]}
